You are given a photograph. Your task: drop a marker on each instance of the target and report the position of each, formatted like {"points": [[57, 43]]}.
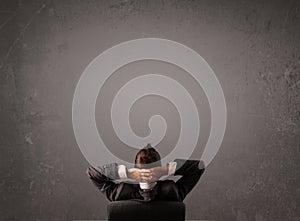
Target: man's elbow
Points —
{"points": [[90, 172], [200, 168], [201, 165]]}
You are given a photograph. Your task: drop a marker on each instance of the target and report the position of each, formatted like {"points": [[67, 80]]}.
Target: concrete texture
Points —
{"points": [[254, 49]]}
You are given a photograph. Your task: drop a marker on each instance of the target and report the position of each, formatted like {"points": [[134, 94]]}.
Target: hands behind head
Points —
{"points": [[147, 175]]}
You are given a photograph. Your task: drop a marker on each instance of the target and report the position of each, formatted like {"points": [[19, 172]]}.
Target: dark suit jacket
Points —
{"points": [[103, 177]]}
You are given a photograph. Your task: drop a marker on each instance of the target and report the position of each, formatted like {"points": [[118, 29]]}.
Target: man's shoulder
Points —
{"points": [[166, 181]]}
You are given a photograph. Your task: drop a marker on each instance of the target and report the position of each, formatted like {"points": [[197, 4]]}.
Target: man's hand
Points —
{"points": [[156, 173], [147, 175], [140, 175]]}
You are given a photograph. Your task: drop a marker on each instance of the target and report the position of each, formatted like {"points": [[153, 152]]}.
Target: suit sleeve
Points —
{"points": [[103, 178], [191, 171]]}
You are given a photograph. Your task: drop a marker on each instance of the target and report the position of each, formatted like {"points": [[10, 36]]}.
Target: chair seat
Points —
{"points": [[129, 210]]}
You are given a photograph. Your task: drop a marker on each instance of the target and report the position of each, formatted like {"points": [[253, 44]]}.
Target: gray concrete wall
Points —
{"points": [[253, 47]]}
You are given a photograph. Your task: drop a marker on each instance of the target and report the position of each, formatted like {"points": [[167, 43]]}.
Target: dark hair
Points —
{"points": [[148, 157]]}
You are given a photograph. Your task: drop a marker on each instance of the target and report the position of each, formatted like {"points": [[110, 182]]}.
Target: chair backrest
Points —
{"points": [[129, 210]]}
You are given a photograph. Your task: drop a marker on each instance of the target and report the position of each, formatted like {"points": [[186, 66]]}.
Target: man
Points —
{"points": [[148, 170]]}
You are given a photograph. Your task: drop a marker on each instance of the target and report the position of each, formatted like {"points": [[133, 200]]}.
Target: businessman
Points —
{"points": [[146, 174]]}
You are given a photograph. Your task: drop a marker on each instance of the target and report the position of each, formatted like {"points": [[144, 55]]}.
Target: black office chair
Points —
{"points": [[129, 210]]}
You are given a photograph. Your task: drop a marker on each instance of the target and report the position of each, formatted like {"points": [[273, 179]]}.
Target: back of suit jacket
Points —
{"points": [[104, 178]]}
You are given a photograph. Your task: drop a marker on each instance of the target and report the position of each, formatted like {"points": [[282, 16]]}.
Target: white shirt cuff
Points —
{"points": [[172, 168], [122, 172]]}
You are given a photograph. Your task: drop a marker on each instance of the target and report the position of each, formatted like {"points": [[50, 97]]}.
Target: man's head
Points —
{"points": [[147, 158]]}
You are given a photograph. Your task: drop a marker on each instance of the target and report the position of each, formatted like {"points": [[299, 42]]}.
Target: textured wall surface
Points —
{"points": [[254, 49]]}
